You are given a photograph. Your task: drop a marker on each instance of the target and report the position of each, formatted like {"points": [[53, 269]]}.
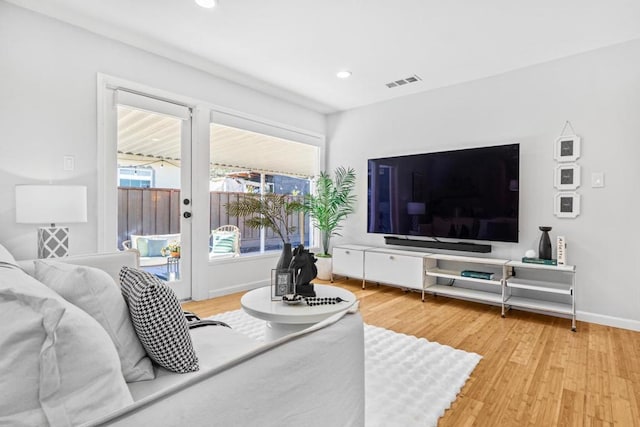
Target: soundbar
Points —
{"points": [[451, 246]]}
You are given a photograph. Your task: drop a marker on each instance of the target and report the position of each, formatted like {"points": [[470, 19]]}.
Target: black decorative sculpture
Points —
{"points": [[303, 264]]}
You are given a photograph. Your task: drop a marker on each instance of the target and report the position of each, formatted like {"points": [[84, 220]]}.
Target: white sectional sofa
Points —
{"points": [[311, 378]]}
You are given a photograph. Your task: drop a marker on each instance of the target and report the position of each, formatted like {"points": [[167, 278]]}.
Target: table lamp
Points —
{"points": [[51, 204]]}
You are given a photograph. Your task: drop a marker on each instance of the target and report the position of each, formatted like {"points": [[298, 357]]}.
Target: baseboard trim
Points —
{"points": [[213, 293], [601, 319]]}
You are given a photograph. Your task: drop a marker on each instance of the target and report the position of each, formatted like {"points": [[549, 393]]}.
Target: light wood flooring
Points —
{"points": [[534, 371]]}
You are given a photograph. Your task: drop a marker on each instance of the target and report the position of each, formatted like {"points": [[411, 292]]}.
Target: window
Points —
{"points": [[243, 162], [136, 177]]}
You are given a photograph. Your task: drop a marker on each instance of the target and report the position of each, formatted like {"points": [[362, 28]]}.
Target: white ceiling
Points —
{"points": [[293, 48]]}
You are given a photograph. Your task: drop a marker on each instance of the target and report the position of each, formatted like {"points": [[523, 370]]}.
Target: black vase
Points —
{"points": [[285, 257], [544, 248]]}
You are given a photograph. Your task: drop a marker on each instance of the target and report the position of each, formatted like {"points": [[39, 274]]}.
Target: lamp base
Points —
{"points": [[53, 242]]}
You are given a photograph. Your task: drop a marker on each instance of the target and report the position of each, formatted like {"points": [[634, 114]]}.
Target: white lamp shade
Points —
{"points": [[50, 204], [416, 208]]}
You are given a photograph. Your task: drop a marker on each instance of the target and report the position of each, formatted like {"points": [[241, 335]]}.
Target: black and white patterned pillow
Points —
{"points": [[158, 320]]}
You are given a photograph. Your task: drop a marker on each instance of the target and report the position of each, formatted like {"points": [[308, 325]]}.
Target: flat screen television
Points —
{"points": [[469, 194]]}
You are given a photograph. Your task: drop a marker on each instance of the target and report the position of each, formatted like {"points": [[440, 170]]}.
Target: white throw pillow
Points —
{"points": [[95, 292], [158, 320], [58, 365]]}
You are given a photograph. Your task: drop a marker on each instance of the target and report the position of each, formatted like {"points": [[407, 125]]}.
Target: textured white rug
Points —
{"points": [[409, 381]]}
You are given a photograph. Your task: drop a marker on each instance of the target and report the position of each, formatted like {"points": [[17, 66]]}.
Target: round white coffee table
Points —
{"points": [[283, 319]]}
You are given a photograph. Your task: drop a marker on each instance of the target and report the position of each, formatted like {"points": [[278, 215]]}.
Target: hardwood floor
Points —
{"points": [[534, 371]]}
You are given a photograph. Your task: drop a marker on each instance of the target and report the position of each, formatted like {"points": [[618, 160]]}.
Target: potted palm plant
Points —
{"points": [[332, 201], [272, 211]]}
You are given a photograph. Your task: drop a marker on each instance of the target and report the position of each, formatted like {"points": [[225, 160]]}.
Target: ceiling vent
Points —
{"points": [[402, 82]]}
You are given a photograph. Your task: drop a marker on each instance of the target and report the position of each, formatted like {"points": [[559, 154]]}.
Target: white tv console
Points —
{"points": [[537, 287]]}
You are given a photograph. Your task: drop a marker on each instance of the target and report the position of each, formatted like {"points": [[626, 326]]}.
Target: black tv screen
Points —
{"points": [[470, 194]]}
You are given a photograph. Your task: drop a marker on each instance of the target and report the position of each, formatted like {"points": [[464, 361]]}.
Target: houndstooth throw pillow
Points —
{"points": [[158, 320]]}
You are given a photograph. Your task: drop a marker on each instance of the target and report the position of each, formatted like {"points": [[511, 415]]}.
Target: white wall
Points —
{"points": [[598, 92], [48, 109]]}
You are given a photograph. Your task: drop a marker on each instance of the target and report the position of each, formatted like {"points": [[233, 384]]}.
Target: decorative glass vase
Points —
{"points": [[544, 247]]}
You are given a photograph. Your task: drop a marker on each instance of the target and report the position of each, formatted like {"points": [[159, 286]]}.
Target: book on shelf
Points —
{"points": [[477, 274], [540, 261]]}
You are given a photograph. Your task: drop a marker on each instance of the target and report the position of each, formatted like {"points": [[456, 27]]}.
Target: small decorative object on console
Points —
{"points": [[561, 248], [476, 274], [544, 248], [539, 261]]}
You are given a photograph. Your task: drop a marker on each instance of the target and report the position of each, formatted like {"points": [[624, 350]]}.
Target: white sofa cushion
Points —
{"points": [[158, 320], [95, 292], [58, 365]]}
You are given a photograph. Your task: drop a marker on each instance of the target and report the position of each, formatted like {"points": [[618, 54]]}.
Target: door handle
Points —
{"points": [[187, 214], [186, 201]]}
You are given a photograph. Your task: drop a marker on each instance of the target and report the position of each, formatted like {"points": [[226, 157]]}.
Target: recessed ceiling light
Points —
{"points": [[207, 3], [344, 74]]}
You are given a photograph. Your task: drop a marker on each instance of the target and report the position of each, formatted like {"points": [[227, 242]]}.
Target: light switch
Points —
{"points": [[597, 179], [69, 163]]}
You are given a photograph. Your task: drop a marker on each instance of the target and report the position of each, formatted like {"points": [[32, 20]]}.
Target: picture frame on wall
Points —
{"points": [[567, 176], [567, 205], [567, 148]]}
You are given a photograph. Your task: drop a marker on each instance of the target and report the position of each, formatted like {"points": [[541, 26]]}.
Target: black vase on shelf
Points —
{"points": [[544, 247], [285, 257]]}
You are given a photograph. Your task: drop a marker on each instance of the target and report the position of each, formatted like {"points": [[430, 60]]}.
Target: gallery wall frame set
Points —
{"points": [[567, 150]]}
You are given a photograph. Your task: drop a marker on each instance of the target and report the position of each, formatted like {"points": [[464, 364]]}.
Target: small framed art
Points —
{"points": [[567, 205], [282, 283], [567, 176], [567, 148]]}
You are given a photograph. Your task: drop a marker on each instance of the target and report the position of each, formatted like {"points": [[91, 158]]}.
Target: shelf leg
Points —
{"points": [[573, 302], [502, 287], [363, 283], [422, 295]]}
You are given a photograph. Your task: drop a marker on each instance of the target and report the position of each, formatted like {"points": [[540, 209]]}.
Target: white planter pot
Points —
{"points": [[324, 268]]}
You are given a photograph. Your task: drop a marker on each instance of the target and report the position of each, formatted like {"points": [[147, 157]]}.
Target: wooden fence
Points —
{"points": [[147, 211]]}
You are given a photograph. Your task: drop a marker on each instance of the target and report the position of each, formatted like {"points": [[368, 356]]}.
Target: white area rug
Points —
{"points": [[409, 381]]}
